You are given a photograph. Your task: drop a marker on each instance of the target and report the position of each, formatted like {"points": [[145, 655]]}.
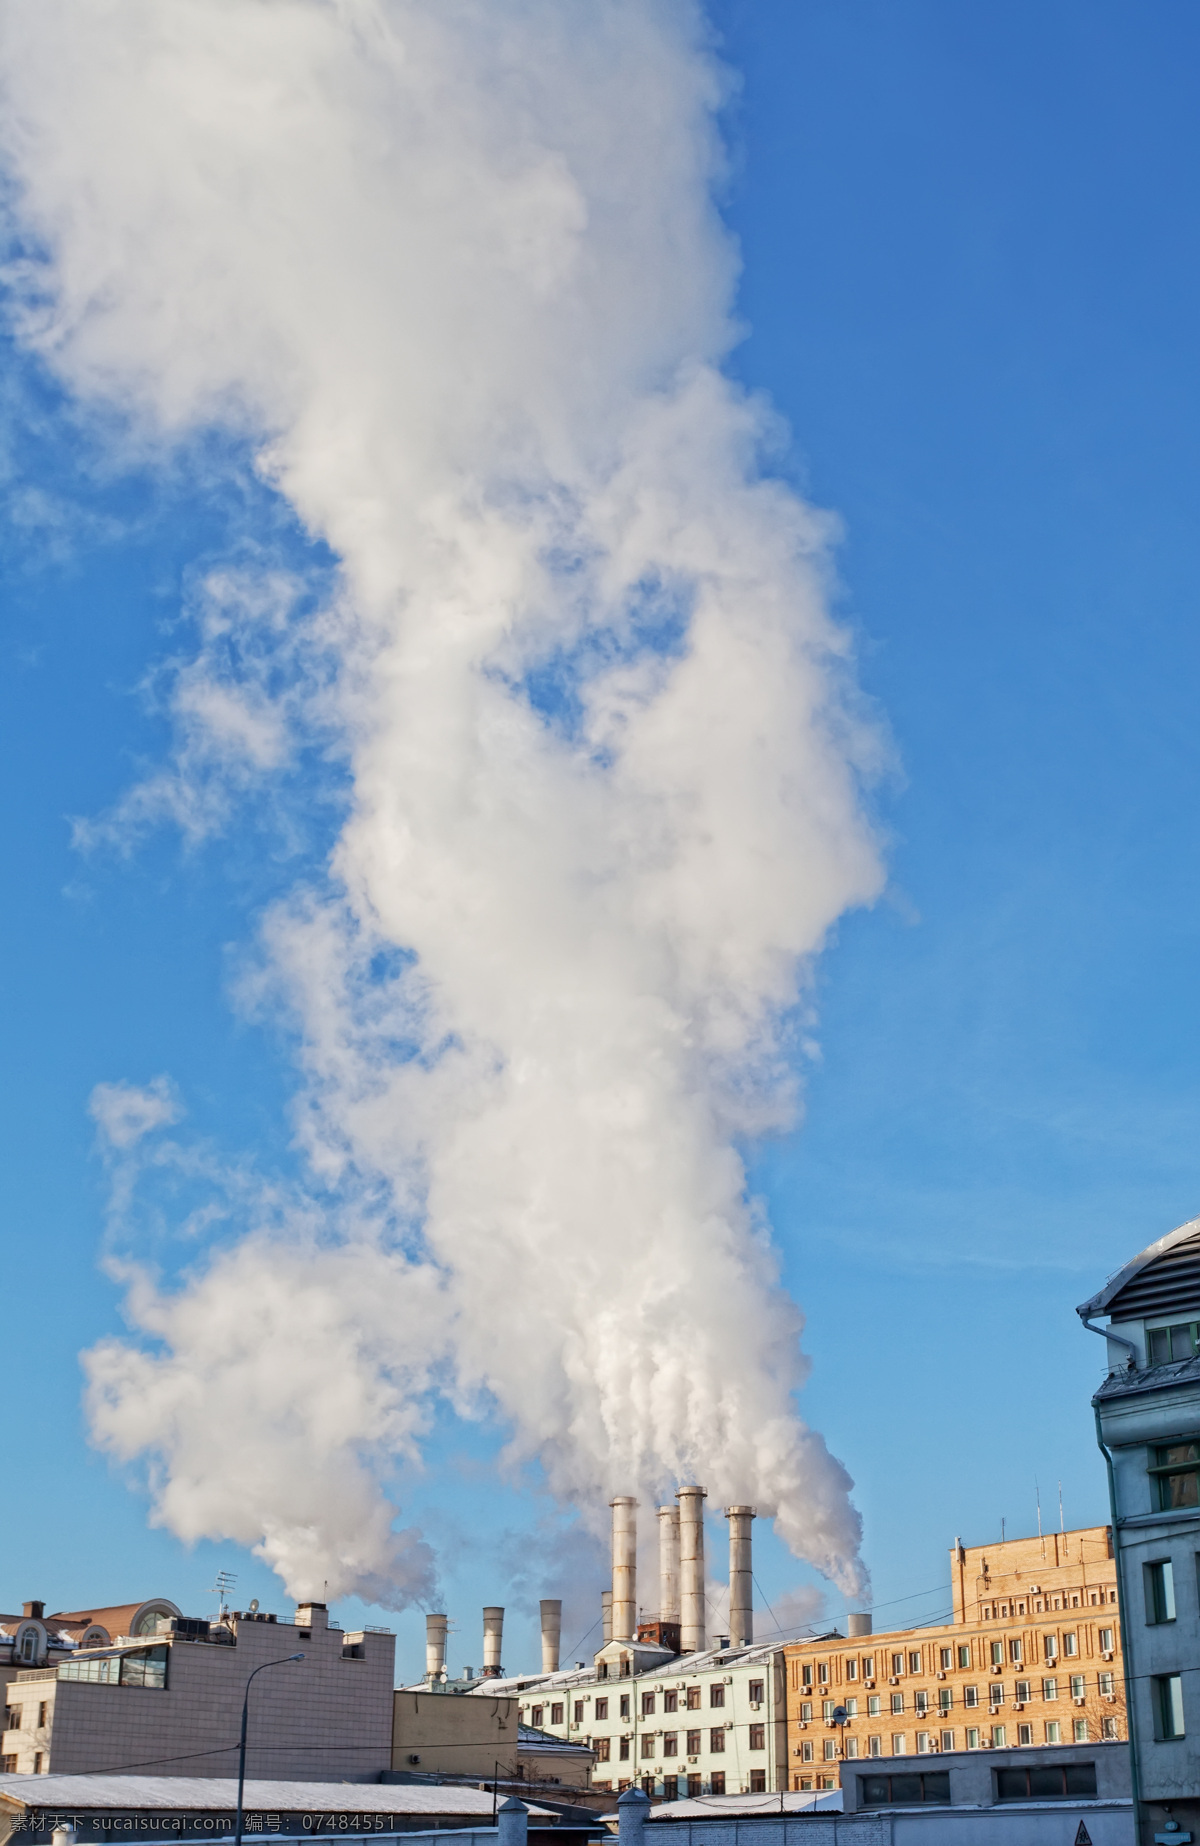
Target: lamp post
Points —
{"points": [[286, 1660]]}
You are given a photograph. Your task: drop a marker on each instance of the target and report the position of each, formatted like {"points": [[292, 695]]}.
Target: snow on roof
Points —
{"points": [[209, 1793], [545, 1742], [713, 1807], [713, 1660]]}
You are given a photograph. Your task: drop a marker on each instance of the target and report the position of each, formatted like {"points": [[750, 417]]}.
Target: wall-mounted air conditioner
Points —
{"points": [[1107, 1655], [870, 1682], [941, 1674], [756, 1704]]}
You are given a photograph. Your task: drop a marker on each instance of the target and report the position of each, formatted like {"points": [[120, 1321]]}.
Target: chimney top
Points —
{"points": [[311, 1615], [35, 1610]]}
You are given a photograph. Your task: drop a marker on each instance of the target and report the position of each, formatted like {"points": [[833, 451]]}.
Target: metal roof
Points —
{"points": [[748, 1807], [1098, 1303], [712, 1660], [217, 1793]]}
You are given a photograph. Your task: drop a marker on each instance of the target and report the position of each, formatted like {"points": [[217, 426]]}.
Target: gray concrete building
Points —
{"points": [[1148, 1425]]}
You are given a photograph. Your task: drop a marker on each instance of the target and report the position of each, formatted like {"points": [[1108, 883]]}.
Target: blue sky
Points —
{"points": [[970, 272]]}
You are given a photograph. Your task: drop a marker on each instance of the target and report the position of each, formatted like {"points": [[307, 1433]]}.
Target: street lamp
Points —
{"points": [[285, 1661]]}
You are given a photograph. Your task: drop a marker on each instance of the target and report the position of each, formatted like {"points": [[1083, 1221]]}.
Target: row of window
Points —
{"points": [[1041, 1782], [1046, 1605], [676, 1787], [669, 1744], [995, 1737], [691, 1695], [14, 1716], [943, 1698], [962, 1655], [147, 1668], [9, 1762]]}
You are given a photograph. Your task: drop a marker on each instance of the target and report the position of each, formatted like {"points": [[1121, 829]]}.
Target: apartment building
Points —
{"points": [[1032, 1656], [163, 1695], [709, 1723]]}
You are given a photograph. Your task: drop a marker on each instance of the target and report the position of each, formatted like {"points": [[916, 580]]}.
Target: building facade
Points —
{"points": [[167, 1701], [1148, 1425], [1032, 1657]]}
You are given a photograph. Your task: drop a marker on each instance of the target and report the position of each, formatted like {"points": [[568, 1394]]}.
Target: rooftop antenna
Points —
{"points": [[1062, 1528], [1037, 1490], [225, 1581], [1002, 1531]]}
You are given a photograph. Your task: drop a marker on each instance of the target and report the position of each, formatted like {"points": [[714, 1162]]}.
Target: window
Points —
{"points": [[1104, 1683], [827, 1708], [1049, 1688], [869, 1666], [1168, 1707], [1077, 1691], [647, 1785], [823, 1672], [716, 1738], [1021, 1692], [899, 1745], [852, 1708], [922, 1743], [997, 1653], [893, 1791], [579, 1711], [806, 1752], [970, 1695], [1071, 1646], [1079, 1730], [670, 1743], [695, 1785], [921, 1703], [946, 1659], [717, 1782], [602, 1747], [27, 1645], [1108, 1729], [1046, 1782], [806, 1712], [623, 1749], [1024, 1733], [1106, 1641], [851, 1746], [972, 1737], [602, 1708], [556, 1712], [693, 1697], [648, 1744], [1159, 1581], [43, 1709], [693, 1743], [830, 1750], [964, 1657], [647, 1704], [874, 1705], [758, 1691], [806, 1675], [897, 1663], [625, 1705], [875, 1746], [12, 1717], [716, 1696], [1050, 1646], [147, 1667], [1054, 1731], [38, 1760], [851, 1669], [947, 1740], [535, 1716], [897, 1701], [945, 1698], [1175, 1471], [8, 1763], [996, 1694], [758, 1736], [914, 1662], [758, 1781], [999, 1737], [1168, 1344]]}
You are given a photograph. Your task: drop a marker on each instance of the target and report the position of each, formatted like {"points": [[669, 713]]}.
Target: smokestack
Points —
{"points": [[668, 1563], [605, 1617], [741, 1576], [551, 1633], [493, 1637], [691, 1569], [859, 1624], [435, 1646], [624, 1567]]}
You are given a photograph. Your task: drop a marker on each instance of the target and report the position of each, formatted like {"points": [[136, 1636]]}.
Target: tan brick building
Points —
{"points": [[1032, 1656]]}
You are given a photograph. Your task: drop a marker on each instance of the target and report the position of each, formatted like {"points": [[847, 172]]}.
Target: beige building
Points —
{"points": [[442, 1733], [163, 1696], [1032, 1656]]}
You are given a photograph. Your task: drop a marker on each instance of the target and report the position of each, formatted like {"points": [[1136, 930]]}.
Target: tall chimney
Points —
{"points": [[605, 1617], [551, 1633], [741, 1576], [435, 1646], [691, 1569], [624, 1566], [668, 1563], [493, 1637]]}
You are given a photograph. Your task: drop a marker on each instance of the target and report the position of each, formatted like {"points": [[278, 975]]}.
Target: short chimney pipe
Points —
{"points": [[624, 1566], [605, 1617], [493, 1641], [668, 1563], [859, 1624], [551, 1608], [435, 1646], [741, 1576], [693, 1628]]}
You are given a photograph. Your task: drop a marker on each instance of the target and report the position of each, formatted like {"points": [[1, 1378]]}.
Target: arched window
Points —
{"points": [[27, 1644]]}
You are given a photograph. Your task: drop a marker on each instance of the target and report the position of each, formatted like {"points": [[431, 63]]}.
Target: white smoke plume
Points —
{"points": [[454, 270]]}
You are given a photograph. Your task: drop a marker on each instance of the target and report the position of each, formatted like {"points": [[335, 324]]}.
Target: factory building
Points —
{"points": [[1031, 1657], [663, 1704]]}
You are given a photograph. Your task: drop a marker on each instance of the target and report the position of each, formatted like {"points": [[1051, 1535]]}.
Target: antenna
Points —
{"points": [[225, 1580], [1037, 1490], [1062, 1528], [1002, 1531]]}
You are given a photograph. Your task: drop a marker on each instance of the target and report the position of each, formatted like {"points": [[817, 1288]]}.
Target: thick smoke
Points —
{"points": [[453, 268]]}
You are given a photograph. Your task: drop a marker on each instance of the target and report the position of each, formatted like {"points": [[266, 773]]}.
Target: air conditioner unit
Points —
{"points": [[1108, 1655], [941, 1675], [696, 1759], [1110, 1698], [756, 1704], [870, 1682], [728, 1680], [894, 1680], [729, 1724], [796, 1752], [1081, 1701]]}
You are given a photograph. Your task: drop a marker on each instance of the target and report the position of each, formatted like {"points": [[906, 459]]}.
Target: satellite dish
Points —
{"points": [[254, 1605], [839, 1714]]}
